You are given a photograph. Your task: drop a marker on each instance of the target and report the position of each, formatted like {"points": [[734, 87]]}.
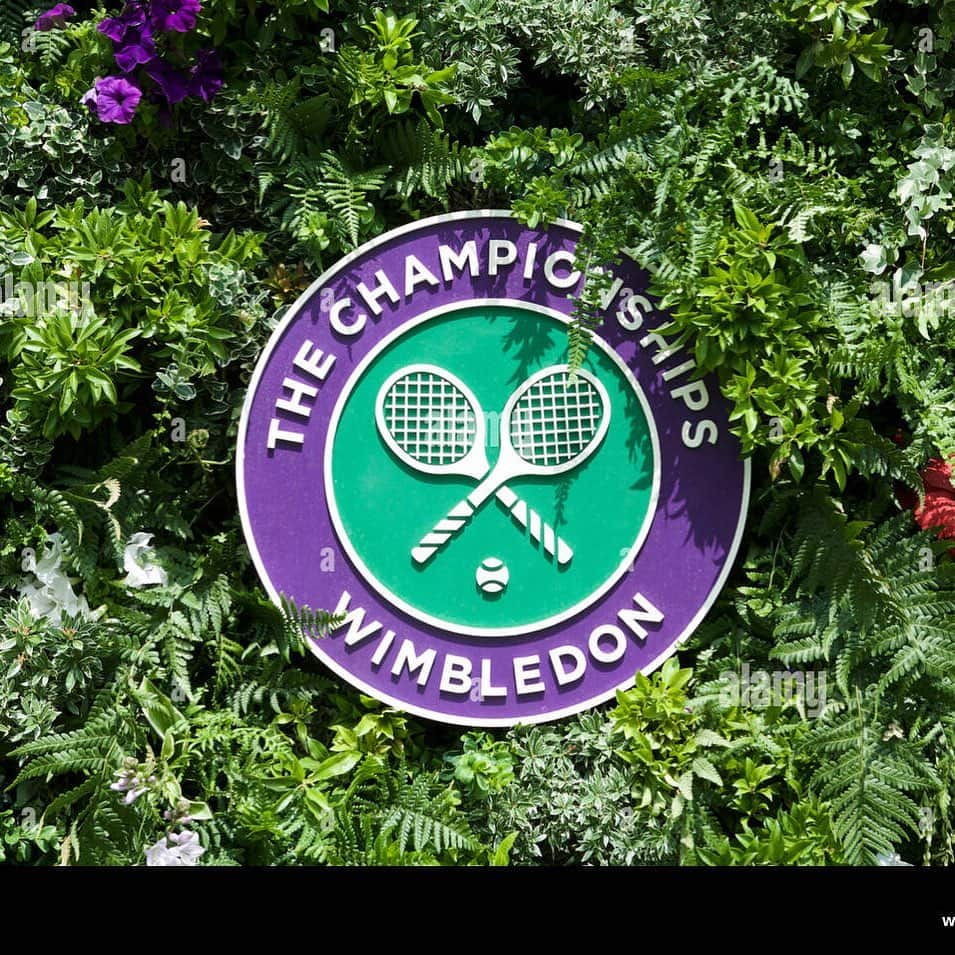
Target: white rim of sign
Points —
{"points": [[347, 675], [448, 625]]}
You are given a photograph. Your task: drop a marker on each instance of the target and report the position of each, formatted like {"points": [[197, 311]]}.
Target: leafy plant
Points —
{"points": [[783, 172]]}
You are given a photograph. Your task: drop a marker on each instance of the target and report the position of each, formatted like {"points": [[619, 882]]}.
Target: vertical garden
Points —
{"points": [[175, 174]]}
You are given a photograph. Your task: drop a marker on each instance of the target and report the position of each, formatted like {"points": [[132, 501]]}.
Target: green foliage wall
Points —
{"points": [[784, 170]]}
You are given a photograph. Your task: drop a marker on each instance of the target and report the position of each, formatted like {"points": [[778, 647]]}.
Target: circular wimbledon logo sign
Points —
{"points": [[506, 540]]}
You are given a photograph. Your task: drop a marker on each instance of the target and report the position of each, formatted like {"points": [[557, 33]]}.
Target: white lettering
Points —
{"points": [[417, 273], [278, 433], [598, 652], [299, 390], [500, 252], [354, 620], [381, 651], [468, 255], [527, 671], [456, 675], [663, 352], [487, 688], [646, 614], [313, 364], [632, 308], [700, 430], [563, 675], [550, 264], [384, 288], [408, 657], [672, 373], [607, 298], [334, 318], [694, 395]]}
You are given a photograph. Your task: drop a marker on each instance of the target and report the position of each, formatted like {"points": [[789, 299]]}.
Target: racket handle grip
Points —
{"points": [[441, 533], [539, 530]]}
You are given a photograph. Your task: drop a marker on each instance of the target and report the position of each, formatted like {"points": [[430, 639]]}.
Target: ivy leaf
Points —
{"points": [[874, 259]]}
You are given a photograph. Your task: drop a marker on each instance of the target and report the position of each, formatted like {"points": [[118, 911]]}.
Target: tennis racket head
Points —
{"points": [[552, 424], [431, 421]]}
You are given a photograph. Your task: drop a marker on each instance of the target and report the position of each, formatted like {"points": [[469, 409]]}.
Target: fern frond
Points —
{"points": [[426, 159], [346, 190], [92, 748], [872, 785]]}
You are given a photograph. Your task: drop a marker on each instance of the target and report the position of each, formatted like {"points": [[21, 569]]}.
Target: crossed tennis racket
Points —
{"points": [[549, 426]]}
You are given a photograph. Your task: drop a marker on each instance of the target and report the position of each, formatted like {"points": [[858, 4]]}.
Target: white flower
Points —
{"points": [[874, 258], [41, 605], [139, 571], [161, 854], [50, 593], [893, 858], [188, 844], [185, 849]]}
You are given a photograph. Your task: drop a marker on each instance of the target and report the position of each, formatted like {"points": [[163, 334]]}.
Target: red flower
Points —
{"points": [[937, 511]]}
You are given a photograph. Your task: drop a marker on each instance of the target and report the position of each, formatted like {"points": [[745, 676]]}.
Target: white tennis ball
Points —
{"points": [[492, 576]]}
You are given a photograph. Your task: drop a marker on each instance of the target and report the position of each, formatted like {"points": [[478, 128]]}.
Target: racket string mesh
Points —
{"points": [[430, 419], [554, 421]]}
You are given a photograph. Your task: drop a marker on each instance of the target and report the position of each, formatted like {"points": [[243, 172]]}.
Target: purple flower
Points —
{"points": [[172, 83], [206, 75], [89, 98], [180, 814], [136, 47], [129, 783], [178, 16], [54, 17], [131, 36], [115, 28], [117, 99]]}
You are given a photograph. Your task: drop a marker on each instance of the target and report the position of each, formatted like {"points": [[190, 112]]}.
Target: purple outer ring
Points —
{"points": [[682, 566]]}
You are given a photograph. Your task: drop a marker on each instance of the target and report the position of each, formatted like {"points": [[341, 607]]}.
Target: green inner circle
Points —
{"points": [[386, 506]]}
